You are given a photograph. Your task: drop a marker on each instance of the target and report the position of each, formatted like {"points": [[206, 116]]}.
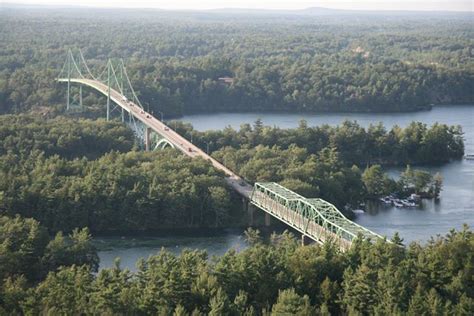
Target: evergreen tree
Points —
{"points": [[219, 304], [290, 303], [360, 290], [180, 311], [241, 302]]}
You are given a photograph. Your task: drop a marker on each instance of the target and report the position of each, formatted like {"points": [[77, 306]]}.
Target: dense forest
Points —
{"points": [[63, 178], [292, 62], [69, 173], [275, 276], [23, 134]]}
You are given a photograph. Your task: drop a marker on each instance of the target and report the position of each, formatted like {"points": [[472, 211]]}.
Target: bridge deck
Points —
{"points": [[315, 218], [181, 143]]}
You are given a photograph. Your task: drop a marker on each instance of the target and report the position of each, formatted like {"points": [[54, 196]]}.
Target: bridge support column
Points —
{"points": [[68, 80], [147, 139], [304, 240], [250, 211], [108, 109], [109, 65], [80, 95], [267, 219]]}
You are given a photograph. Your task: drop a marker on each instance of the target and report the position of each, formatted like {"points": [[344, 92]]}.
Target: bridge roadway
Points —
{"points": [[314, 218], [181, 143]]}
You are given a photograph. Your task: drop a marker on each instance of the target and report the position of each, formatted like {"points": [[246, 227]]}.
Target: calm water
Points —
{"points": [[455, 207], [451, 115], [130, 249]]}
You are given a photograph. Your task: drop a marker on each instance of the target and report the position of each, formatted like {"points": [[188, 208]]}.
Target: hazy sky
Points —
{"points": [[448, 5]]}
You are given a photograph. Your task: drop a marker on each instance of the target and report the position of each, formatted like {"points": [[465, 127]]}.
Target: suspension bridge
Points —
{"points": [[314, 218]]}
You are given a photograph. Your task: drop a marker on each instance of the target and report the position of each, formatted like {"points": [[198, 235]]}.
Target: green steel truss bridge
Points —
{"points": [[314, 218]]}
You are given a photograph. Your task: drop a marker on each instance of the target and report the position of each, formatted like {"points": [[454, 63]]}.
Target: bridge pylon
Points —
{"points": [[114, 75], [114, 79], [71, 69]]}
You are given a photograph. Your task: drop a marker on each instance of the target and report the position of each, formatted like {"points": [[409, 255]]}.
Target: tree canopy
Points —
{"points": [[275, 276], [275, 63], [69, 173]]}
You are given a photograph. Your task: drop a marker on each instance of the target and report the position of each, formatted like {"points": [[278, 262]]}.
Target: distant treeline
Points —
{"points": [[272, 277], [275, 64]]}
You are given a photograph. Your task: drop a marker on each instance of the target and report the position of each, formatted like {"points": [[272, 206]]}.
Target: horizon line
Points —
{"points": [[86, 6]]}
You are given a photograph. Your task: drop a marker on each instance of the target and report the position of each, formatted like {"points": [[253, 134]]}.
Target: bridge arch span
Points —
{"points": [[162, 144]]}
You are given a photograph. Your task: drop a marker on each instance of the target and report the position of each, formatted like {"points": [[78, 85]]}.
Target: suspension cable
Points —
{"points": [[64, 66], [85, 64], [130, 84], [115, 76], [77, 68], [99, 77]]}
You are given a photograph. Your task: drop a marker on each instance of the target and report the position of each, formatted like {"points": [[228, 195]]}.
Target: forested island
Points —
{"points": [[205, 62], [73, 173]]}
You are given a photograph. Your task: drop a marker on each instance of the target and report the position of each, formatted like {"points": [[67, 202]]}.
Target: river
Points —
{"points": [[455, 207]]}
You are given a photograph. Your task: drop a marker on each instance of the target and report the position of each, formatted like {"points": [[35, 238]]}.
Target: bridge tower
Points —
{"points": [[114, 75], [116, 80], [71, 70]]}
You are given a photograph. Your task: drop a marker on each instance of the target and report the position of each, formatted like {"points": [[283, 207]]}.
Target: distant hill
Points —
{"points": [[311, 11]]}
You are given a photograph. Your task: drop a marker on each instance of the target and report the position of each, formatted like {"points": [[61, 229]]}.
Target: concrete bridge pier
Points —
{"points": [[267, 219], [147, 139], [250, 209]]}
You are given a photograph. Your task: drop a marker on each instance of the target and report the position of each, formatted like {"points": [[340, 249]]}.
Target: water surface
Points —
{"points": [[455, 207], [449, 114], [130, 249]]}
